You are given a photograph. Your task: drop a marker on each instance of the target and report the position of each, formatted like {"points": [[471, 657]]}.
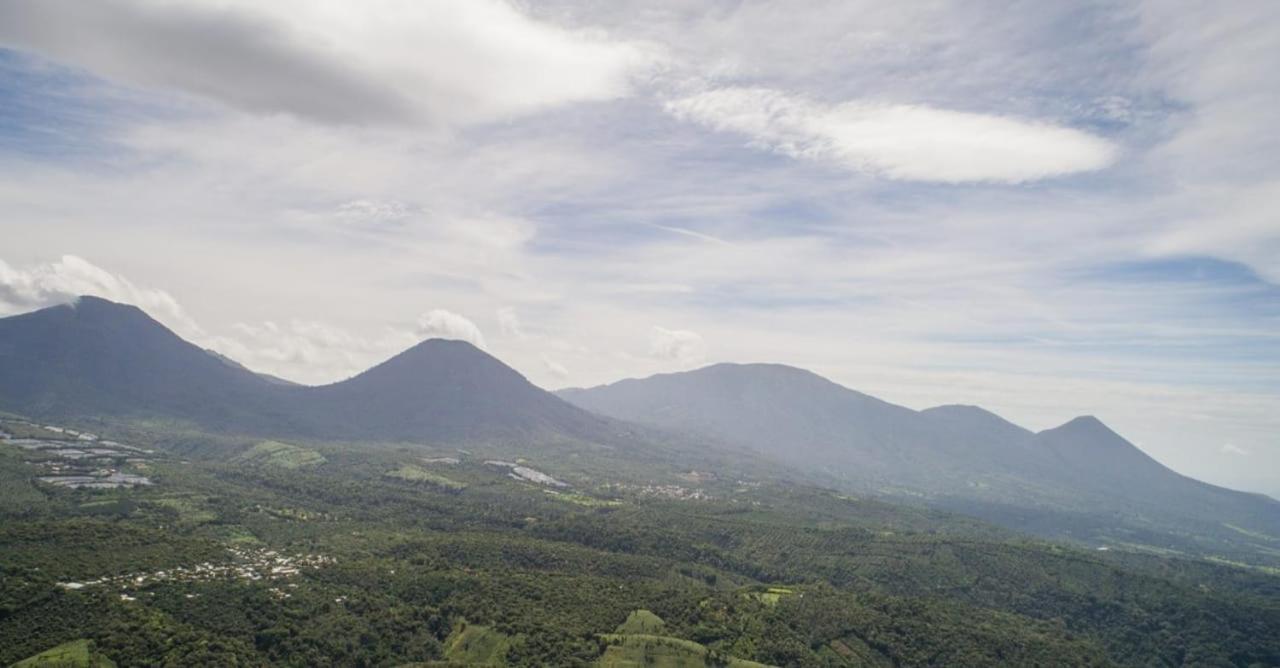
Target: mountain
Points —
{"points": [[94, 357], [441, 390], [1080, 480], [807, 420]]}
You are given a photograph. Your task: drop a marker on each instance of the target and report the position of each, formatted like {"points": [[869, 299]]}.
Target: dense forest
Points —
{"points": [[251, 553]]}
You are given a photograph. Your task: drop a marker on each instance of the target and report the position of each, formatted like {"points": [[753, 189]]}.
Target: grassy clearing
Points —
{"points": [[1251, 534], [474, 645], [235, 535], [418, 474], [74, 654], [283, 455], [771, 595], [642, 622], [1269, 570], [190, 509], [583, 499], [628, 650]]}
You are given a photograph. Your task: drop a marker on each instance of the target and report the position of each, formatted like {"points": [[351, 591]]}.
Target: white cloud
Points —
{"points": [[564, 217], [373, 213], [509, 323], [677, 345], [908, 142], [1233, 449], [451, 61], [442, 324], [1219, 153], [307, 351], [72, 276], [555, 368]]}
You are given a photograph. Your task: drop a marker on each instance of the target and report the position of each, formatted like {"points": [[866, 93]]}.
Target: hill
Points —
{"points": [[1080, 480]]}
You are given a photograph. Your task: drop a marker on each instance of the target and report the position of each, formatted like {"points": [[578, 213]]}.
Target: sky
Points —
{"points": [[1046, 209]]}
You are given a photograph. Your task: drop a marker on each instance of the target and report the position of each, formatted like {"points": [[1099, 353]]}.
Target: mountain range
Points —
{"points": [[96, 358], [1079, 480], [99, 358]]}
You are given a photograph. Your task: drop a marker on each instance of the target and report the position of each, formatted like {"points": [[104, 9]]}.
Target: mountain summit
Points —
{"points": [[442, 390]]}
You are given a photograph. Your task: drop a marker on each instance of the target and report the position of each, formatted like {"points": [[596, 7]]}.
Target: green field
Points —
{"points": [[582, 499], [642, 622], [475, 645], [190, 509], [283, 455], [74, 654], [638, 650], [770, 595], [414, 473]]}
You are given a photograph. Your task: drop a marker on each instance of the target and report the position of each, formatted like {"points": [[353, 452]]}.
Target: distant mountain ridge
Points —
{"points": [[1061, 481], [96, 357]]}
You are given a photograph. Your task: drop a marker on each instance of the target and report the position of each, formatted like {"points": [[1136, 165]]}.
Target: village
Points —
{"points": [[249, 564]]}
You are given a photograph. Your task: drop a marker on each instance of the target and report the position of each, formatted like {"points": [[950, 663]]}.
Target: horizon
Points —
{"points": [[74, 303], [1044, 211]]}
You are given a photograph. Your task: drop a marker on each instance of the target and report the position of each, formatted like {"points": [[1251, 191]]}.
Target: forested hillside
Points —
{"points": [[315, 554]]}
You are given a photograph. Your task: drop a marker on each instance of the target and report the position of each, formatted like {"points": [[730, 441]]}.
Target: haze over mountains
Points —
{"points": [[1081, 480], [1075, 480]]}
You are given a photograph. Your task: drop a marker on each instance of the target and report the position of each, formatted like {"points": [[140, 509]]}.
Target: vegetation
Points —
{"points": [[284, 455], [414, 473], [641, 622], [355, 567], [475, 645], [625, 651], [74, 654]]}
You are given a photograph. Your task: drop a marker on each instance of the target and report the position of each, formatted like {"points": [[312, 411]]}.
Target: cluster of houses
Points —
{"points": [[245, 564]]}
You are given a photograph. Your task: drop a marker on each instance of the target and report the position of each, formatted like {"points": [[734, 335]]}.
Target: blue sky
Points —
{"points": [[1048, 209]]}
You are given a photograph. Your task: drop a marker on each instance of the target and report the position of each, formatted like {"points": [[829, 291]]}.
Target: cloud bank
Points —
{"points": [[70, 277], [443, 61], [905, 142]]}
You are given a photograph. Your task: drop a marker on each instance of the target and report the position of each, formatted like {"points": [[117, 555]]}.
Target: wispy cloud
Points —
{"points": [[555, 368], [1048, 209], [908, 142], [1233, 449], [677, 345]]}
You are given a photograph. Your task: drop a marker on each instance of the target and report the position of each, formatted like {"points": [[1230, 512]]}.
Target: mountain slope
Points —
{"points": [[440, 390], [96, 357], [810, 421], [1080, 480]]}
